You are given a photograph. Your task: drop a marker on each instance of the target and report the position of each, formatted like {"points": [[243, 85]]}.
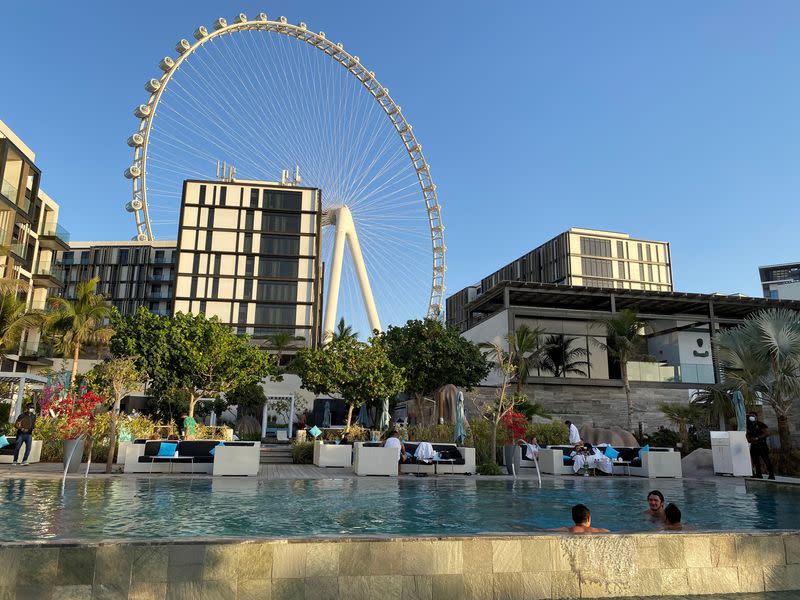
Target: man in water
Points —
{"points": [[582, 518], [757, 434], [672, 518], [655, 504], [574, 434]]}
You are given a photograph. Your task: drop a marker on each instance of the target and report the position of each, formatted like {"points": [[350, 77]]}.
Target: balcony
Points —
{"points": [[10, 194], [37, 354], [49, 275], [162, 260], [54, 237], [666, 373]]}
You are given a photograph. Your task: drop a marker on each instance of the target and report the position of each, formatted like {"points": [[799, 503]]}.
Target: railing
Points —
{"points": [[162, 261], [11, 192], [56, 231], [53, 271], [665, 373], [39, 348], [19, 249]]}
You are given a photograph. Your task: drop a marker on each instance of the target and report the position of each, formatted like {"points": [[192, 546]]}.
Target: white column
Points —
{"points": [[291, 417], [20, 398], [264, 420]]}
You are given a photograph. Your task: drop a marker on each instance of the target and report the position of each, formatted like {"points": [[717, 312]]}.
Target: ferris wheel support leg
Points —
{"points": [[346, 231]]}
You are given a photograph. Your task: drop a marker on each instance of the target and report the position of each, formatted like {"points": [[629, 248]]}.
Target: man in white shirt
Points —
{"points": [[393, 441], [574, 435]]}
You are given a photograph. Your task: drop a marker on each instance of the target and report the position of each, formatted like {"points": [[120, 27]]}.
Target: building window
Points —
{"points": [[649, 272], [773, 294], [203, 306], [248, 289], [223, 195], [279, 245], [283, 200], [248, 220], [596, 267], [271, 291], [649, 253], [242, 313], [193, 290], [211, 218], [621, 269], [280, 223], [249, 266], [248, 243], [639, 250], [595, 247], [201, 199], [275, 315], [277, 268], [254, 198]]}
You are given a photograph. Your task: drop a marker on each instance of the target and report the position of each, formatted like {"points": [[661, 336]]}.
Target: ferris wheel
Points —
{"points": [[266, 96]]}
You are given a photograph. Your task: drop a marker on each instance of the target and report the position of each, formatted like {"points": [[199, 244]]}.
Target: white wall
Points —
{"points": [[493, 329]]}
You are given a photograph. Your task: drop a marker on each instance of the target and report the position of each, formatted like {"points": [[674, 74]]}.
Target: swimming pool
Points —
{"points": [[154, 508]]}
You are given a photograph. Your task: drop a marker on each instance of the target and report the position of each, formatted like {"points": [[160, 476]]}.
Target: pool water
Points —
{"points": [[222, 507]]}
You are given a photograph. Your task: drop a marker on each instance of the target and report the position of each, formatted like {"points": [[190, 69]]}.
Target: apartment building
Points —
{"points": [[582, 257], [29, 235], [248, 253], [131, 274], [780, 282]]}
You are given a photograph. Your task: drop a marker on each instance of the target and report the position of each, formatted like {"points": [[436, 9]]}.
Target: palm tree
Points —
{"points": [[525, 353], [714, 402], [561, 357], [682, 415], [280, 342], [761, 358], [624, 341], [80, 321], [14, 320], [343, 331]]}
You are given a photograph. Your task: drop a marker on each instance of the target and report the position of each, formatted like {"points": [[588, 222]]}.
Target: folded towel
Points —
{"points": [[424, 451]]}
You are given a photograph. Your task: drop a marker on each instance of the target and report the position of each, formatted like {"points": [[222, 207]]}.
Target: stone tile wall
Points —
{"points": [[485, 568]]}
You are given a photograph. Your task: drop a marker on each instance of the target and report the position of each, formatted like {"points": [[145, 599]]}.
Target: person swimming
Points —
{"points": [[672, 518], [582, 518], [655, 504]]}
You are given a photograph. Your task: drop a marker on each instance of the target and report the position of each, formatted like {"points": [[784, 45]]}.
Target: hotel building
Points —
{"points": [[585, 257], [780, 282]]}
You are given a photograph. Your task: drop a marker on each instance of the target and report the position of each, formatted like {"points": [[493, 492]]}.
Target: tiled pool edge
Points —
{"points": [[484, 567]]}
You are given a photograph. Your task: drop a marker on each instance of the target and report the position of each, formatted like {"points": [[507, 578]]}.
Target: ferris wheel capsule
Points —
{"points": [[183, 47], [152, 86], [219, 24], [200, 33], [340, 46], [142, 237], [283, 20], [321, 34], [262, 17], [240, 18], [137, 139], [302, 26], [142, 111], [166, 64], [132, 172], [134, 205], [356, 59]]}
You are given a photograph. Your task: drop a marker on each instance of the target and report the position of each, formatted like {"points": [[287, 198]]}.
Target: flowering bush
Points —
{"points": [[514, 425], [74, 415]]}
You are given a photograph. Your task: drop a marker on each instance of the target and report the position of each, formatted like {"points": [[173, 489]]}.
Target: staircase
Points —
{"points": [[272, 454]]}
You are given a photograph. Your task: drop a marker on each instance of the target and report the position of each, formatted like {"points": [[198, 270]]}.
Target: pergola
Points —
{"points": [[20, 380]]}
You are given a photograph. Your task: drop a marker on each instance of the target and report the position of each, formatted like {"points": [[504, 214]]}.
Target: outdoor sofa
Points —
{"points": [[453, 460], [7, 452], [656, 462], [195, 456], [332, 455], [371, 458]]}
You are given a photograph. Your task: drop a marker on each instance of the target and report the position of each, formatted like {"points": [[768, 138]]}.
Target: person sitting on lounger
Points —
{"points": [[393, 441], [655, 504], [583, 521], [672, 518]]}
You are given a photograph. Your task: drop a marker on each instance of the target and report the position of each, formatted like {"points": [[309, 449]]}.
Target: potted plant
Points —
{"points": [[514, 425], [75, 423]]}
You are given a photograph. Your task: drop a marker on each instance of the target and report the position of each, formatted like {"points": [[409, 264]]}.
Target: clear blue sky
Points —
{"points": [[673, 121]]}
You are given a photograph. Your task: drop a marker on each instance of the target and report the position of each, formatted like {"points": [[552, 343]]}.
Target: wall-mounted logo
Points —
{"points": [[698, 353]]}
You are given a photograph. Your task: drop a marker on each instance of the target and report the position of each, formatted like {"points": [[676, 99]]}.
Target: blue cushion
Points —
{"points": [[611, 453], [167, 449], [644, 449], [315, 431], [3, 441], [214, 449], [565, 457]]}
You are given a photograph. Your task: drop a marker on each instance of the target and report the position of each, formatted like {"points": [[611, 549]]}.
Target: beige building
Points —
{"points": [[30, 234], [583, 257], [248, 253]]}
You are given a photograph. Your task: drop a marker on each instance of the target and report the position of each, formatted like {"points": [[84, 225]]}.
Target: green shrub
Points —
{"points": [[548, 434], [303, 453], [664, 438], [435, 434], [489, 468]]}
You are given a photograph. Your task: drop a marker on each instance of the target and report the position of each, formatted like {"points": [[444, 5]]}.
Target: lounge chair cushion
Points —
{"points": [[167, 449], [4, 441], [644, 449], [611, 453], [214, 449]]}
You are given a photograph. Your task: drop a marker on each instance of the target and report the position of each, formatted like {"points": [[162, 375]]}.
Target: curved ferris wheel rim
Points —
{"points": [[351, 63]]}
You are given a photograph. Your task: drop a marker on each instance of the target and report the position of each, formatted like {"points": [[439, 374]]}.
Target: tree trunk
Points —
{"points": [[493, 449], [786, 441], [192, 402], [112, 435], [349, 416], [627, 384], [75, 356]]}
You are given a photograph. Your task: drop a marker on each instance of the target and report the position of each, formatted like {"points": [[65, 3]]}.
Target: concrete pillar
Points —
{"points": [[264, 420], [20, 398], [291, 417]]}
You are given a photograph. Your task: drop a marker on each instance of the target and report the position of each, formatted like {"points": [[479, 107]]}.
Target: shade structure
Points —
{"points": [[363, 416], [384, 420], [326, 416], [460, 429]]}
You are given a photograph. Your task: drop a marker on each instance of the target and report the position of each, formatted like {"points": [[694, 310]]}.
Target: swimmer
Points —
{"points": [[672, 518], [655, 503], [583, 521]]}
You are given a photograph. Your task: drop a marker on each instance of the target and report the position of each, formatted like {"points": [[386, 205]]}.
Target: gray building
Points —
{"points": [[780, 282]]}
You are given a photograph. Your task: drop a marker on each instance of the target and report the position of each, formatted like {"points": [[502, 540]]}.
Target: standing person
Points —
{"points": [[757, 434], [179, 424], [189, 427], [574, 434], [655, 506], [25, 425]]}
